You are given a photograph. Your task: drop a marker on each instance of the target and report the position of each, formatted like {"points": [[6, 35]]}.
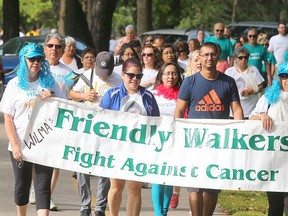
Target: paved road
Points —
{"points": [[66, 195]]}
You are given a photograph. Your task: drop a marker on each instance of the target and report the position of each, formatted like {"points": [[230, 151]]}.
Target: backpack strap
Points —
{"points": [[87, 81]]}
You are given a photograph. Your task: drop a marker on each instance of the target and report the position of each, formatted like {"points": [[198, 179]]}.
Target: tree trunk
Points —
{"points": [[11, 19], [99, 18], [234, 12], [275, 15], [144, 20], [72, 21]]}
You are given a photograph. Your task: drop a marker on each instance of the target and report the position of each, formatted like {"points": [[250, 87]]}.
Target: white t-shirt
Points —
{"points": [[118, 69], [18, 103], [100, 86], [133, 103], [278, 44], [183, 63], [59, 72], [147, 75], [166, 106], [73, 65], [243, 82]]}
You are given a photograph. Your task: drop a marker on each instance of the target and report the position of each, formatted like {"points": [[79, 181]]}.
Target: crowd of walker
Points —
{"points": [[248, 77]]}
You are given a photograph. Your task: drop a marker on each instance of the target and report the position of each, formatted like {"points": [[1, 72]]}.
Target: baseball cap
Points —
{"points": [[283, 69], [104, 63], [31, 50]]}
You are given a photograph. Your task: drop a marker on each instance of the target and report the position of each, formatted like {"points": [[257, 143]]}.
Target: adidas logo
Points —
{"points": [[210, 102]]}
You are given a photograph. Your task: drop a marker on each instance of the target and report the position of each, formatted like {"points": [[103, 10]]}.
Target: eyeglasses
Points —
{"points": [[168, 73], [283, 76], [152, 40], [219, 30], [129, 54], [243, 57], [132, 75], [168, 53], [57, 46], [252, 36], [147, 54], [38, 59], [89, 57], [207, 55]]}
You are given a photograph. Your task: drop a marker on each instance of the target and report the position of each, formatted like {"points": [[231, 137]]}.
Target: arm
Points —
{"points": [[266, 120], [231, 61], [237, 110], [86, 96], [12, 136], [268, 70], [180, 109]]}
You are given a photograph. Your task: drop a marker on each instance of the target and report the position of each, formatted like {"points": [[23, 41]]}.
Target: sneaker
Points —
{"points": [[174, 201], [98, 213], [32, 199], [53, 207], [85, 212]]}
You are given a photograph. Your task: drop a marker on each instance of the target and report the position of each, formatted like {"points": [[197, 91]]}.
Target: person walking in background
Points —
{"points": [[278, 44], [193, 45], [151, 61], [69, 57], [101, 80], [129, 97], [258, 54], [207, 83], [126, 52], [159, 41], [225, 44], [130, 35], [183, 50], [167, 85], [34, 79], [273, 107], [200, 36], [194, 64], [221, 65], [248, 80], [88, 56], [148, 40]]}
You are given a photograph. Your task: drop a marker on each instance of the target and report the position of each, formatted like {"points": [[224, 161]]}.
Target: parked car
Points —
{"points": [[9, 55], [240, 28], [174, 35]]}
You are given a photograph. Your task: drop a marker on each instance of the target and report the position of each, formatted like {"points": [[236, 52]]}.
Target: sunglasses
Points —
{"points": [[38, 59], [243, 57], [147, 54], [132, 75], [57, 46], [252, 36], [219, 30], [152, 40]]}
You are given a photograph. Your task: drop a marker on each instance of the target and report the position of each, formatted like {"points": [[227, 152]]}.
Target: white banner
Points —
{"points": [[220, 154]]}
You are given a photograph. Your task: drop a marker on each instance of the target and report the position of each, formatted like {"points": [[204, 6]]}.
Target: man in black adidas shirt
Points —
{"points": [[208, 94]]}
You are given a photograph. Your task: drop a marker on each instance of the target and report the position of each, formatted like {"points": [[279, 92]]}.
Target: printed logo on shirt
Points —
{"points": [[210, 103]]}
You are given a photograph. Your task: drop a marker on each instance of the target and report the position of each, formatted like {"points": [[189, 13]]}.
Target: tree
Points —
{"points": [[144, 10], [72, 21], [99, 18], [10, 19]]}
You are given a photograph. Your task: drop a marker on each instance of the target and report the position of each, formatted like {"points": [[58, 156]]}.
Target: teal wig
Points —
{"points": [[272, 93], [45, 76]]}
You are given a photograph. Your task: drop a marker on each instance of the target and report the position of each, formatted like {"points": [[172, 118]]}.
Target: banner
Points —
{"points": [[219, 154]]}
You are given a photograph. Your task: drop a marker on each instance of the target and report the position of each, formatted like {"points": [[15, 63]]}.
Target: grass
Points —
{"points": [[240, 203]]}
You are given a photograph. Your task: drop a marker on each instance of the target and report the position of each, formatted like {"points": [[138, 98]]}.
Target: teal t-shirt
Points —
{"points": [[225, 44], [258, 54], [271, 60]]}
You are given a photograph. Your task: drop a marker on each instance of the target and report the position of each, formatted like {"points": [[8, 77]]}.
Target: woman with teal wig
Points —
{"points": [[271, 107], [34, 80]]}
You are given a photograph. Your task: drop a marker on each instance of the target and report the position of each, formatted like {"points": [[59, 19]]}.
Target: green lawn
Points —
{"points": [[243, 203]]}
